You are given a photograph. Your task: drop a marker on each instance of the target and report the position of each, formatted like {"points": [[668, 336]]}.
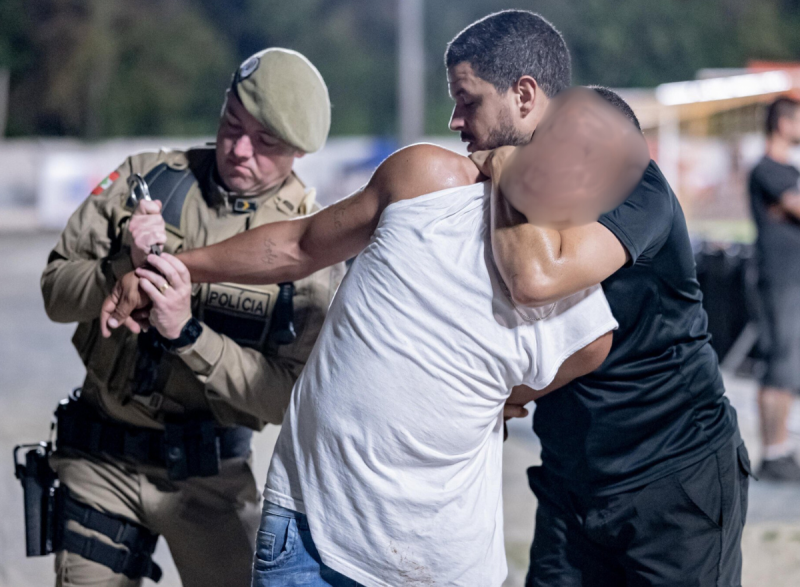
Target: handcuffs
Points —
{"points": [[139, 191]]}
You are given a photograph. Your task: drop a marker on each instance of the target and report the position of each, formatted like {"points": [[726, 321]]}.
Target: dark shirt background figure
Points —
{"points": [[775, 201]]}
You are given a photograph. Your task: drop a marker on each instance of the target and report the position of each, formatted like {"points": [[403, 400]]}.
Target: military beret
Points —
{"points": [[285, 93]]}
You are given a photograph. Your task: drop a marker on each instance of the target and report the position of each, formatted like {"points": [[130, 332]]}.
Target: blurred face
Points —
{"points": [[574, 170], [249, 159], [485, 118]]}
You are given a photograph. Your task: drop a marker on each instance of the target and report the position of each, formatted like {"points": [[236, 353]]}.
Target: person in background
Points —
{"points": [[775, 202]]}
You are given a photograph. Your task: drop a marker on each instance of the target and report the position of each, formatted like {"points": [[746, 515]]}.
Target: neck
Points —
{"points": [[778, 148]]}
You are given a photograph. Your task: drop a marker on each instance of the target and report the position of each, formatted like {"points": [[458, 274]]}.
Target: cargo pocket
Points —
{"points": [[745, 472], [702, 488]]}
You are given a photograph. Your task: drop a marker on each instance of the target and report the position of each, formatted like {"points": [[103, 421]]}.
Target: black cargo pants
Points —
{"points": [[683, 530]]}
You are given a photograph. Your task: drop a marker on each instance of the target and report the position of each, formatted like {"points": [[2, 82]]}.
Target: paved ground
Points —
{"points": [[39, 366]]}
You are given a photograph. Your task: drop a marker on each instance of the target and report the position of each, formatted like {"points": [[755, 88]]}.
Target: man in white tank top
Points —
{"points": [[388, 468]]}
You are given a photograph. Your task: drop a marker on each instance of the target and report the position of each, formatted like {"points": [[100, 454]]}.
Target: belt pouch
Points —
{"points": [[192, 449]]}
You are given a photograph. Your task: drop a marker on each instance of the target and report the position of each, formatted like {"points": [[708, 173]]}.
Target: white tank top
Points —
{"points": [[392, 444]]}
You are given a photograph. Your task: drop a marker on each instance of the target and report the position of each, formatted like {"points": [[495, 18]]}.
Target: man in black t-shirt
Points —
{"points": [[775, 201], [644, 475]]}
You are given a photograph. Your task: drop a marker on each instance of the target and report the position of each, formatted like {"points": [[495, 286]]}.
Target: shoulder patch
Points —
{"points": [[105, 184]]}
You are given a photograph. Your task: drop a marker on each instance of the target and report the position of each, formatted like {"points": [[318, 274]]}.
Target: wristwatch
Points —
{"points": [[189, 334]]}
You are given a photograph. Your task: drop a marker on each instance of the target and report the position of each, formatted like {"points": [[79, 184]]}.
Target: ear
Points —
{"points": [[528, 93]]}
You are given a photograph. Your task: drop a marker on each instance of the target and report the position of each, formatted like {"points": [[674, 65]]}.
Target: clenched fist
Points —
{"points": [[145, 229]]}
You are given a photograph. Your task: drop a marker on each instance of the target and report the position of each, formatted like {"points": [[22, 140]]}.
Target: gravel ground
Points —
{"points": [[39, 367]]}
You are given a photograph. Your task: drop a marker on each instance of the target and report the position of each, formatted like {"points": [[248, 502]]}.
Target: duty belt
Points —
{"points": [[191, 447]]}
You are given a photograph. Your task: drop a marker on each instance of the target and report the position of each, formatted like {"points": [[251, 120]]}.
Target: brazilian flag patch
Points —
{"points": [[105, 184]]}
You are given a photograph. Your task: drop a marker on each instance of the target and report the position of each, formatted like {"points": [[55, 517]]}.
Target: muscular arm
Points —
{"points": [[293, 249], [583, 161], [287, 251], [541, 266]]}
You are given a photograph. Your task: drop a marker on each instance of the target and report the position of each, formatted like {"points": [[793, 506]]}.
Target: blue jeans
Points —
{"points": [[286, 555]]}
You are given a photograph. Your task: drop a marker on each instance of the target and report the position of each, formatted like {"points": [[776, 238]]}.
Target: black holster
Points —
{"points": [[282, 327], [39, 487]]}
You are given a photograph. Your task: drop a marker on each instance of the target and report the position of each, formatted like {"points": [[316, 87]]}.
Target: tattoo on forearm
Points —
{"points": [[270, 256]]}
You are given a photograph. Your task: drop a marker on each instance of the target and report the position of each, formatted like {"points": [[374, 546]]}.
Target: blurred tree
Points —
{"points": [[352, 43], [96, 68], [15, 48], [629, 43], [100, 68]]}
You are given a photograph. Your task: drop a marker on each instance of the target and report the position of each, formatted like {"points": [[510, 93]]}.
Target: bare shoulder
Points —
{"points": [[422, 169]]}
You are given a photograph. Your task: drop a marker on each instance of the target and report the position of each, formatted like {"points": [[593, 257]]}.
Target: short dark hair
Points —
{"points": [[617, 102], [504, 46], [783, 107]]}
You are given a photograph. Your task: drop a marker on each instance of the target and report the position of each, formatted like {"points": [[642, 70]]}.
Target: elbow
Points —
{"points": [[532, 292], [50, 308], [60, 308], [52, 313], [56, 315], [56, 312]]}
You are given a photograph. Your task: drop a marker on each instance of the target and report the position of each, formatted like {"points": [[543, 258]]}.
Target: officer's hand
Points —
{"points": [[145, 229], [125, 299], [171, 293]]}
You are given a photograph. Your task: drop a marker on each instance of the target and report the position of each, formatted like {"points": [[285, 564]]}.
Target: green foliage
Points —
{"points": [[14, 42], [100, 68], [97, 68]]}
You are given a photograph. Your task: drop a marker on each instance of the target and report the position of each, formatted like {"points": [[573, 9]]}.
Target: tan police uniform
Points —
{"points": [[234, 375]]}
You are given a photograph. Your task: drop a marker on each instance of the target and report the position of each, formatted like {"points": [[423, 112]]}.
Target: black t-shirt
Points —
{"points": [[657, 403], [778, 243]]}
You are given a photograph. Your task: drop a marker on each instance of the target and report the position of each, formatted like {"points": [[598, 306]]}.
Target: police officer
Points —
{"points": [[158, 441]]}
